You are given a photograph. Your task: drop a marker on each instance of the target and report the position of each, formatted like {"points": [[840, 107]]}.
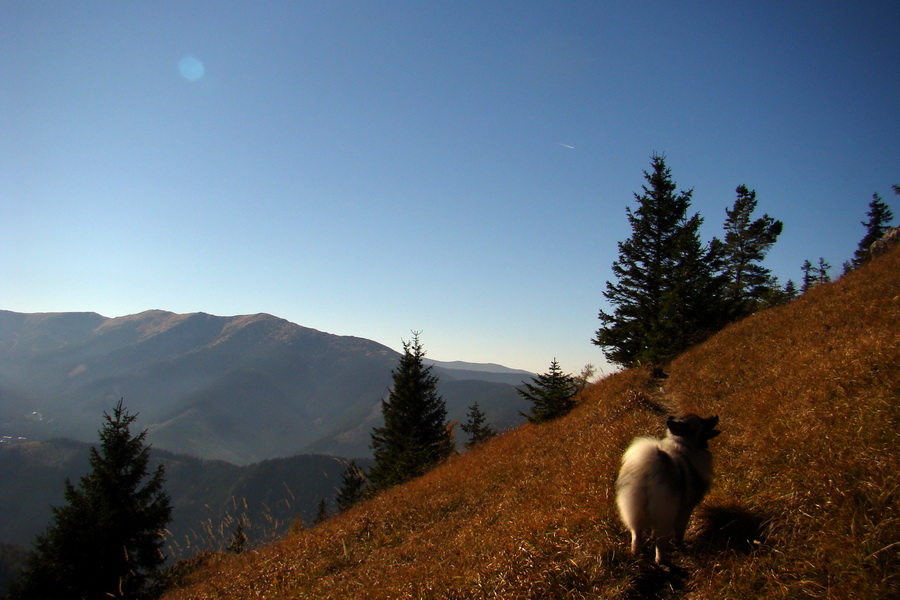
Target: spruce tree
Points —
{"points": [[809, 278], [747, 283], [880, 217], [822, 275], [790, 290], [415, 437], [667, 296], [238, 540], [321, 512], [106, 541], [551, 394], [477, 427], [353, 485], [814, 275]]}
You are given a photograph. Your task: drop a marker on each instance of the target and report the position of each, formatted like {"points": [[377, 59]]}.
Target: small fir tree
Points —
{"points": [[238, 540], [477, 427], [747, 283], [790, 290], [415, 436], [107, 540], [814, 275], [777, 295], [321, 512], [551, 394], [353, 486], [880, 217], [809, 278], [822, 275]]}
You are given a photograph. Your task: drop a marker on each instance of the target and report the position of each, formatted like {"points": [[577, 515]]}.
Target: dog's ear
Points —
{"points": [[709, 427], [677, 426]]}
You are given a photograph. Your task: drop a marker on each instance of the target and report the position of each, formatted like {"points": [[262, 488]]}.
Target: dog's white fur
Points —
{"points": [[662, 481]]}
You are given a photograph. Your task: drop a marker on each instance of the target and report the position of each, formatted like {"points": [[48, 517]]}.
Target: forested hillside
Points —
{"points": [[209, 497]]}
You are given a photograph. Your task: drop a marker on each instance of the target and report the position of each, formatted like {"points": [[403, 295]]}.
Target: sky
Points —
{"points": [[458, 168]]}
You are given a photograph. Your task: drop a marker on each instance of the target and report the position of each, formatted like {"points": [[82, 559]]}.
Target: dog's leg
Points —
{"points": [[681, 524], [662, 548], [637, 540], [661, 555]]}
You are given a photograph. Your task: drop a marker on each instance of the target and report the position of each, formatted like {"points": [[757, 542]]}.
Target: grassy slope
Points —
{"points": [[805, 503]]}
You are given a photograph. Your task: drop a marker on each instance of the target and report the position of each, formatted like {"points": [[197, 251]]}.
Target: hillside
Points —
{"points": [[805, 502], [240, 389]]}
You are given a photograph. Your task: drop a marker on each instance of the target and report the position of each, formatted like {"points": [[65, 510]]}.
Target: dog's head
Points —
{"points": [[693, 429]]}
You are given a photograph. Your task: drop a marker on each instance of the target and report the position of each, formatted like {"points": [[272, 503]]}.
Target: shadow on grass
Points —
{"points": [[646, 579], [729, 528], [653, 582], [719, 530]]}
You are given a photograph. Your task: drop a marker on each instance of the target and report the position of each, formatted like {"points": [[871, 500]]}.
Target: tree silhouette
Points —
{"points": [[477, 427], [551, 394], [747, 282], [353, 485], [814, 275], [415, 437], [880, 217], [667, 296], [106, 541]]}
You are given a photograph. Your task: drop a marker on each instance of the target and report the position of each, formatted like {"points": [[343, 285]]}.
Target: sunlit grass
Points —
{"points": [[804, 505]]}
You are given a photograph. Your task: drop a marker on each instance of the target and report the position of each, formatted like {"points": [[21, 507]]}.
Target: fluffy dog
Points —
{"points": [[662, 481]]}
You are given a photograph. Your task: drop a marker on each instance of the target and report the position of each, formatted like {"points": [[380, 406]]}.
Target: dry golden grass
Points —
{"points": [[805, 504]]}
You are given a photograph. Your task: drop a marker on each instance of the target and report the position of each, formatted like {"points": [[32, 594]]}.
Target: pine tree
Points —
{"points": [[415, 437], [238, 540], [880, 217], [477, 427], [814, 275], [667, 296], [747, 283], [353, 486], [777, 295], [809, 278], [790, 290], [106, 541], [822, 275], [321, 512], [551, 394]]}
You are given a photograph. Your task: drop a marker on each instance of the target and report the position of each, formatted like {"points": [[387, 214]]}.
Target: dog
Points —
{"points": [[662, 481]]}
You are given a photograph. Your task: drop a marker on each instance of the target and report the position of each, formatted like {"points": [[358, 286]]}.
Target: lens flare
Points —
{"points": [[190, 68]]}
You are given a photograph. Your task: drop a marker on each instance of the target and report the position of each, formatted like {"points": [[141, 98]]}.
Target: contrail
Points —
{"points": [[566, 146]]}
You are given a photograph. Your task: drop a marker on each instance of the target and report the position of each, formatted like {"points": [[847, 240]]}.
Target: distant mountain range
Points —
{"points": [[239, 389]]}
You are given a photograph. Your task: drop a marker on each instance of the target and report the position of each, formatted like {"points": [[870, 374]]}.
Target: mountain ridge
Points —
{"points": [[242, 388]]}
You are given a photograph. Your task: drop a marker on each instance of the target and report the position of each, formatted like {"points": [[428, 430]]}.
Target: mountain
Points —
{"points": [[239, 389], [804, 503], [481, 372]]}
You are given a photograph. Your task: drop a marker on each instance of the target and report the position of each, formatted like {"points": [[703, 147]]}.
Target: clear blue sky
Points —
{"points": [[459, 168]]}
